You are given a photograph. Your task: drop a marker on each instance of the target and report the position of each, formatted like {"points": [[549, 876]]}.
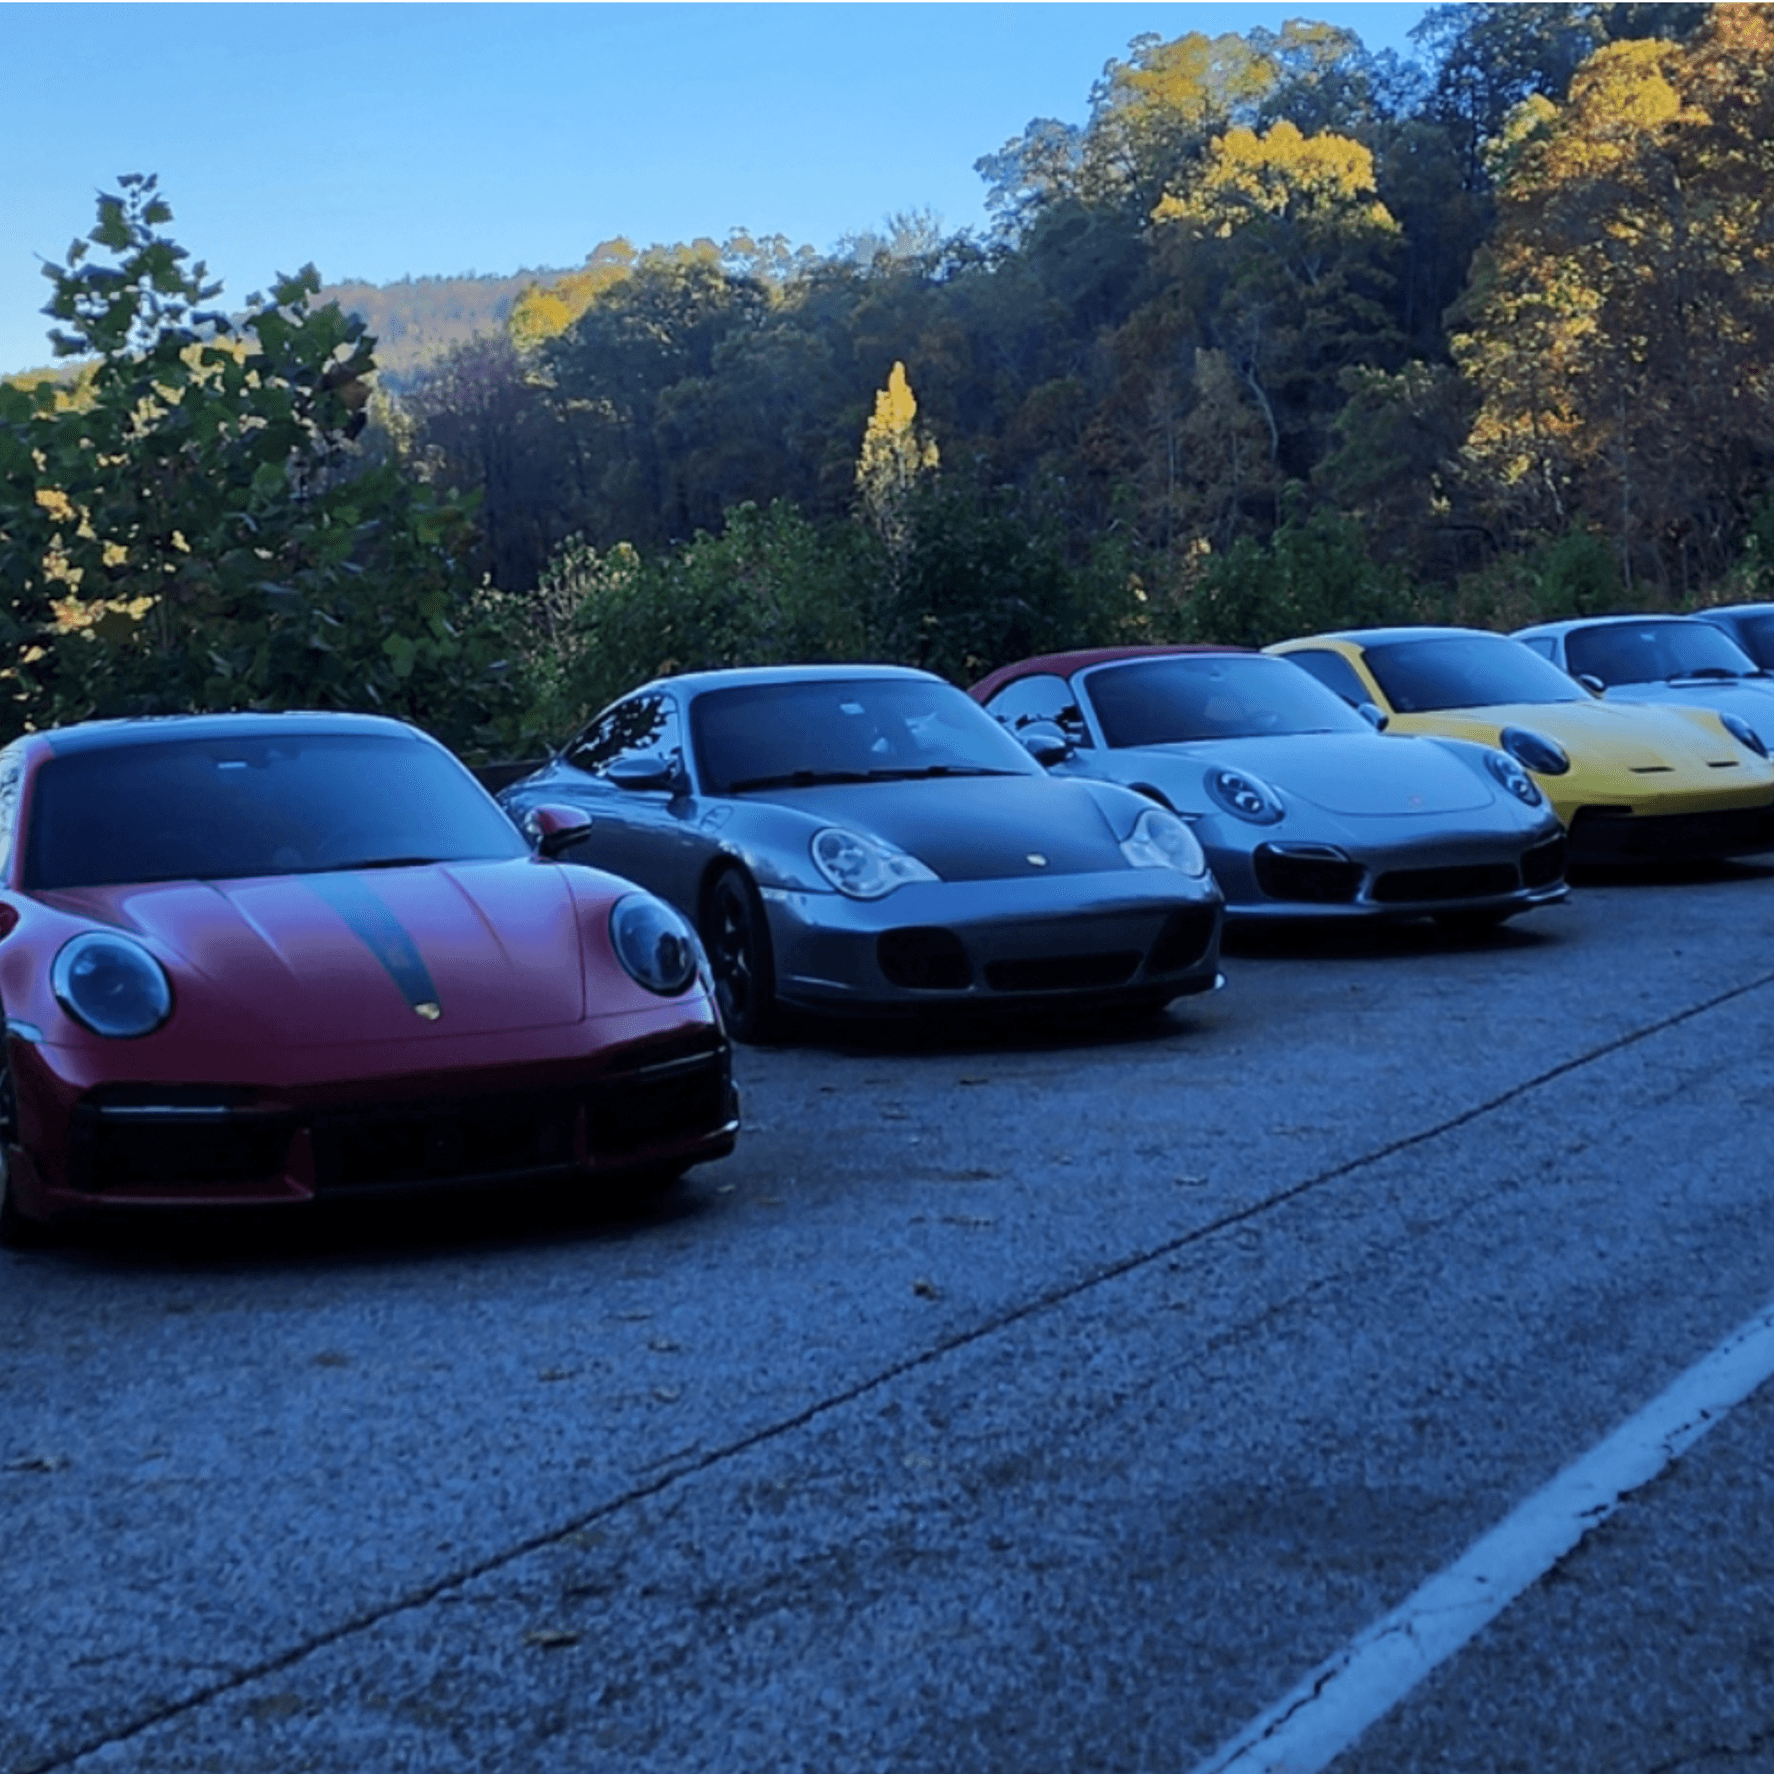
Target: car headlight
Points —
{"points": [[1161, 841], [656, 947], [1745, 734], [864, 867], [1513, 777], [1540, 754], [1245, 796], [111, 985]]}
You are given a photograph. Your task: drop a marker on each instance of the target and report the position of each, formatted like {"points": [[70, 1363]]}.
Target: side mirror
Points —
{"points": [[1375, 716], [554, 829], [1592, 683], [1045, 742], [645, 770]]}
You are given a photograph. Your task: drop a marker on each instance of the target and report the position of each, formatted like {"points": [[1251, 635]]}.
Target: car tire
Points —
{"points": [[738, 943]]}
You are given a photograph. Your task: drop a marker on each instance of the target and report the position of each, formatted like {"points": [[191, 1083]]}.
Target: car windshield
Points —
{"points": [[1755, 634], [799, 734], [1212, 696], [1466, 671], [228, 807], [1655, 651]]}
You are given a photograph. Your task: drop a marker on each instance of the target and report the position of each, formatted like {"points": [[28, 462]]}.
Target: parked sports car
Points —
{"points": [[1304, 808], [865, 837], [1751, 626], [1630, 782], [255, 959], [1663, 659]]}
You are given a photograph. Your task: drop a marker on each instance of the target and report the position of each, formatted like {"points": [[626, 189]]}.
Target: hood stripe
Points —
{"points": [[380, 931]]}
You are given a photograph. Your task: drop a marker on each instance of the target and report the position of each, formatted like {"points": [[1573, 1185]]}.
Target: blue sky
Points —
{"points": [[378, 141]]}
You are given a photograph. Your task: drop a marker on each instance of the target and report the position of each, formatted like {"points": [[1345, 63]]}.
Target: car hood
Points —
{"points": [[976, 828], [354, 955], [1751, 700], [1354, 774], [1637, 737]]}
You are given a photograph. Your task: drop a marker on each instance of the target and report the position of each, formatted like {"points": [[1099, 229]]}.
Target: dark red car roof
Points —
{"points": [[1064, 664]]}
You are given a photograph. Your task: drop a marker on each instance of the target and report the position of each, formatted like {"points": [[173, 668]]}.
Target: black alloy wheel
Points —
{"points": [[738, 944]]}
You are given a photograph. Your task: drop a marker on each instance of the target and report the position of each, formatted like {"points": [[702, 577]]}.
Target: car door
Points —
{"points": [[643, 813]]}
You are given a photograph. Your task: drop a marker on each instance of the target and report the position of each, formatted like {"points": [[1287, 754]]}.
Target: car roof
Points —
{"points": [[1733, 610], [113, 735], [694, 683], [1080, 659], [1571, 625], [1384, 637]]}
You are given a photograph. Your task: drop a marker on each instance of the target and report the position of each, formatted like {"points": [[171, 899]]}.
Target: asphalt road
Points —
{"points": [[1047, 1401]]}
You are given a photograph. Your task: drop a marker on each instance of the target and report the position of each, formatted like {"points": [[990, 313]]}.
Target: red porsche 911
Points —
{"points": [[252, 959]]}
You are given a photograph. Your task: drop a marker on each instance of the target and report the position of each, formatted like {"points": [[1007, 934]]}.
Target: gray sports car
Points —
{"points": [[1664, 659], [1304, 807], [864, 836]]}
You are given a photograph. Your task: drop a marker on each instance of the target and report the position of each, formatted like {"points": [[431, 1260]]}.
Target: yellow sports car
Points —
{"points": [[1635, 782]]}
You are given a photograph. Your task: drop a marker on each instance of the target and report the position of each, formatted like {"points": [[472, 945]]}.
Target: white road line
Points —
{"points": [[1361, 1683]]}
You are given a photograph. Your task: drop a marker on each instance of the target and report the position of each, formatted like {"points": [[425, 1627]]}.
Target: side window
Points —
{"points": [[12, 776], [1046, 697], [1543, 644], [1334, 672], [643, 725]]}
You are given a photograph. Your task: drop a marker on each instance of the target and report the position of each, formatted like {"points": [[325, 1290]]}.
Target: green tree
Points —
{"points": [[192, 528]]}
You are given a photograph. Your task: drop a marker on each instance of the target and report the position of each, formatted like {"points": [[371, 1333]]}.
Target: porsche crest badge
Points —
{"points": [[430, 1011]]}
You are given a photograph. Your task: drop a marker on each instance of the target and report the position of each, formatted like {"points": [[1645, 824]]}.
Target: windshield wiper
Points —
{"points": [[797, 779], [1706, 671], [374, 862], [921, 772]]}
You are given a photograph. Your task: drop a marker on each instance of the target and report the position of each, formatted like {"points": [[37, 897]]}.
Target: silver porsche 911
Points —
{"points": [[865, 836], [1304, 807]]}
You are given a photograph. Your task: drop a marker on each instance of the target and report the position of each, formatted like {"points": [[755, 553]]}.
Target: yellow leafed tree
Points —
{"points": [[894, 455]]}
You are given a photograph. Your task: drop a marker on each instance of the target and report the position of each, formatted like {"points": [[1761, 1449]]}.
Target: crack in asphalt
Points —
{"points": [[425, 1594]]}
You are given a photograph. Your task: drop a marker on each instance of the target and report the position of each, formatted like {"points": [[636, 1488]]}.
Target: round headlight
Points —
{"points": [[1513, 777], [111, 985], [1744, 734], [1544, 756], [1245, 796], [864, 867], [1161, 841], [656, 947]]}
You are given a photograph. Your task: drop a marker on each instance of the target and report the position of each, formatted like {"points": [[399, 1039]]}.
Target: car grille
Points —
{"points": [[1544, 864], [127, 1137], [1313, 877], [1062, 973], [1183, 941], [666, 1094], [1475, 881], [1613, 833], [444, 1139], [671, 1091], [924, 958]]}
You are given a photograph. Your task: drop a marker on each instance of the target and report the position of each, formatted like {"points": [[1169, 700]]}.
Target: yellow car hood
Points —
{"points": [[1619, 754]]}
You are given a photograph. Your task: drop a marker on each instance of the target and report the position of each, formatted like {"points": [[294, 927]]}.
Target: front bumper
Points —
{"points": [[90, 1139], [1140, 936], [1388, 878], [1602, 834]]}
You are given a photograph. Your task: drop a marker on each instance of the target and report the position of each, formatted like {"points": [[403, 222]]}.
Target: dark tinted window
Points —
{"points": [[855, 729], [1466, 671], [641, 726], [1212, 696], [1755, 635], [1334, 672], [1044, 697], [1650, 652], [219, 809]]}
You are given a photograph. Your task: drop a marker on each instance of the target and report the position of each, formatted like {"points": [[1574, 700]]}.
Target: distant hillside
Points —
{"points": [[419, 318]]}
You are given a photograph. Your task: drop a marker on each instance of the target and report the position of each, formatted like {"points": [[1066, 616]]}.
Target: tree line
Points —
{"points": [[1284, 334]]}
